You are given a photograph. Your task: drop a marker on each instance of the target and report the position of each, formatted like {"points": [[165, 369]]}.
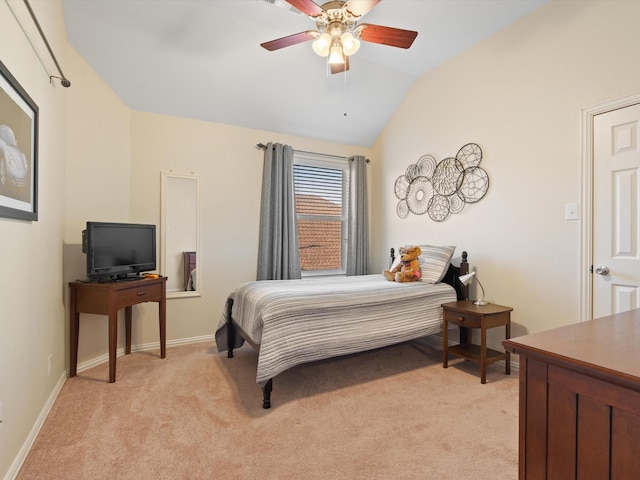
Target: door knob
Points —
{"points": [[602, 270]]}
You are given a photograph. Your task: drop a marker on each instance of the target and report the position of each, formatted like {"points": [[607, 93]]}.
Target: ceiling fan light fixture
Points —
{"points": [[336, 56], [350, 44], [322, 44], [338, 35]]}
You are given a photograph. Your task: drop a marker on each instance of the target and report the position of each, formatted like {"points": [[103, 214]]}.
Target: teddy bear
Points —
{"points": [[408, 269]]}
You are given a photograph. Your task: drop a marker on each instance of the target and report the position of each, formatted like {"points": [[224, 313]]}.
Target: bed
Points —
{"points": [[291, 322]]}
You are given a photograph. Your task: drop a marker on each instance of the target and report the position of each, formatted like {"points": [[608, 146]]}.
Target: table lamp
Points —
{"points": [[466, 280]]}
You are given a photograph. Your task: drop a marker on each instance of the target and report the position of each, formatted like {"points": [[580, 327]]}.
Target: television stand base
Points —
{"points": [[120, 278]]}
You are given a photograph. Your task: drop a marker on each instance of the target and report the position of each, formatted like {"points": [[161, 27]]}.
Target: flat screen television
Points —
{"points": [[119, 251]]}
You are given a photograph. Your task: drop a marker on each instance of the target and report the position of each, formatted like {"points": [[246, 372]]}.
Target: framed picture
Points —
{"points": [[18, 150]]}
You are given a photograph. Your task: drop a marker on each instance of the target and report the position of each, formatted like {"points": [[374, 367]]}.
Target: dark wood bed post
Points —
{"points": [[464, 269], [231, 331], [463, 294]]}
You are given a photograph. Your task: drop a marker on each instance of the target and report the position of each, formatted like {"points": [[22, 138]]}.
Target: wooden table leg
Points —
{"points": [[507, 367], [445, 344], [483, 354], [162, 318], [113, 341], [127, 330], [74, 324]]}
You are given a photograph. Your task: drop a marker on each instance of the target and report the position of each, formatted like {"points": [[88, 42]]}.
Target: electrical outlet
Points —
{"points": [[50, 365]]}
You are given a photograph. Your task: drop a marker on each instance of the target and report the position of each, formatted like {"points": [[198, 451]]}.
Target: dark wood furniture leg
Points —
{"points": [[266, 394], [507, 336], [113, 341], [127, 330], [162, 319], [74, 325], [483, 354], [445, 341]]}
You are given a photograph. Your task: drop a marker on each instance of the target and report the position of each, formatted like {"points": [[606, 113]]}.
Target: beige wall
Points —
{"points": [[97, 177], [519, 95], [32, 319]]}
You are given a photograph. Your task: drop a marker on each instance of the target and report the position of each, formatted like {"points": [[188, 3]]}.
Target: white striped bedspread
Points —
{"points": [[300, 321]]}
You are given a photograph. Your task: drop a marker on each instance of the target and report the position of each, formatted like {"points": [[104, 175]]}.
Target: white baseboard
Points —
{"points": [[141, 348], [12, 473]]}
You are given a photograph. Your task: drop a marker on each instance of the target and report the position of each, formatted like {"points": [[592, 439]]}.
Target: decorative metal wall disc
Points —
{"points": [[438, 208], [456, 203], [401, 187], [412, 172], [470, 155], [418, 196], [448, 176], [426, 165], [402, 209], [474, 185]]}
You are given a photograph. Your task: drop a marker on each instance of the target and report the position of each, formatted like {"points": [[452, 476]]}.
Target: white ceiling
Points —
{"points": [[202, 59]]}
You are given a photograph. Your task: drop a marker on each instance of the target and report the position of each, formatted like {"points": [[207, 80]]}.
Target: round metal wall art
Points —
{"points": [[442, 188]]}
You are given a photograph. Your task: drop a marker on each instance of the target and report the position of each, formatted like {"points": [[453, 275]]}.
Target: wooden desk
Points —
{"points": [[580, 399], [106, 299]]}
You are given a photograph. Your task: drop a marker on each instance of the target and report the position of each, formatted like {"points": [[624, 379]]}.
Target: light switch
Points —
{"points": [[571, 211]]}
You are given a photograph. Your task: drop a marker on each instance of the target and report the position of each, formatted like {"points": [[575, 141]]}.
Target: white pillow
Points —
{"points": [[434, 262]]}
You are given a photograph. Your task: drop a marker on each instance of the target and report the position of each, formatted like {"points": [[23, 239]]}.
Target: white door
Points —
{"points": [[616, 211]]}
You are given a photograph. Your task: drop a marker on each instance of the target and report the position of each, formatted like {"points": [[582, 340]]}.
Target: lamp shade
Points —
{"points": [[335, 55], [350, 44], [321, 44], [466, 280]]}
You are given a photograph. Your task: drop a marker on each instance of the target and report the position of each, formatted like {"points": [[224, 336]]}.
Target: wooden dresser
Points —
{"points": [[580, 400]]}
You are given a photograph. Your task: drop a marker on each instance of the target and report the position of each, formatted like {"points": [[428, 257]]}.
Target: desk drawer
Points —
{"points": [[463, 319], [139, 294]]}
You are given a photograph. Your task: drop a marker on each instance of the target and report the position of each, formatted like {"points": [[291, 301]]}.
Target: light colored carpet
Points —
{"points": [[393, 413]]}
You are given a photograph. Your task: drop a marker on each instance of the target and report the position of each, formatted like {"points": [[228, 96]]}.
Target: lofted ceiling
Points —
{"points": [[202, 59]]}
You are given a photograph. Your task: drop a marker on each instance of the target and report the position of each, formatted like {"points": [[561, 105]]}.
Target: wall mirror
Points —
{"points": [[180, 233]]}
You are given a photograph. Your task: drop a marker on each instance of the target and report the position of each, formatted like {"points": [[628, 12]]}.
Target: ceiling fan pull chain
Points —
{"points": [[345, 93]]}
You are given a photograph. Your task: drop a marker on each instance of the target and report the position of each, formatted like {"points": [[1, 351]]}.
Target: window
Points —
{"points": [[320, 184]]}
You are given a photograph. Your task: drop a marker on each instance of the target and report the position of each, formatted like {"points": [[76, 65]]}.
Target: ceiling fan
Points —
{"points": [[338, 33]]}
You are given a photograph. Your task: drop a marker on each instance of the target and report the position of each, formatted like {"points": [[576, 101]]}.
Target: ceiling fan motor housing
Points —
{"points": [[335, 19]]}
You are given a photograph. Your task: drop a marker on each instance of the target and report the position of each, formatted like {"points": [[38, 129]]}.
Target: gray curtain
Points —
{"points": [[358, 221], [278, 256]]}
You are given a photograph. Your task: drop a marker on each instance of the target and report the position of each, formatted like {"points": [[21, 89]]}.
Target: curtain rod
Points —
{"points": [[63, 80], [263, 147]]}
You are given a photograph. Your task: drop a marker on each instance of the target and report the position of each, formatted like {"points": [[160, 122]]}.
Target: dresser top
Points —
{"points": [[607, 346]]}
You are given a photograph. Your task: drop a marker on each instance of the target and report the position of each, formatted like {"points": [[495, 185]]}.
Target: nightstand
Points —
{"points": [[467, 316]]}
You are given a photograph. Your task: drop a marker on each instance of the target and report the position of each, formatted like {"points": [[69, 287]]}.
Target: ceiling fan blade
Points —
{"points": [[358, 8], [394, 37], [340, 67], [289, 40], [307, 7]]}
